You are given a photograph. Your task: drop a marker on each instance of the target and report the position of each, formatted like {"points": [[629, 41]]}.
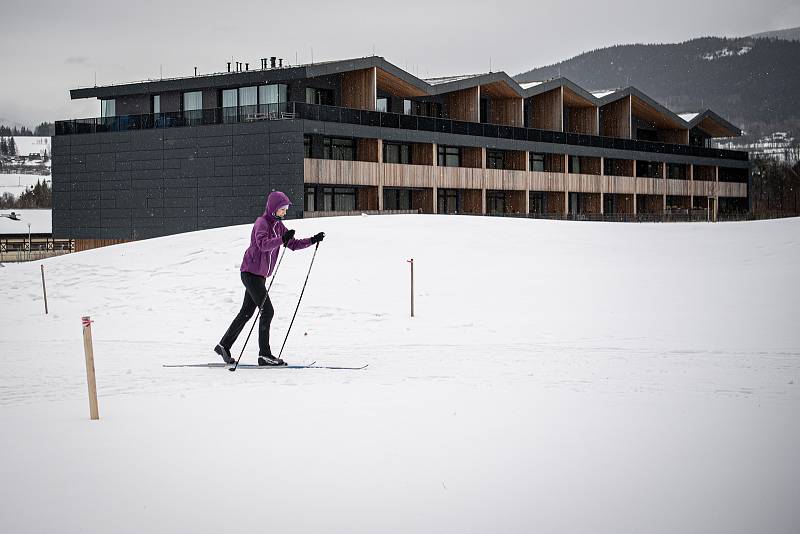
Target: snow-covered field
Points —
{"points": [[16, 184], [557, 377]]}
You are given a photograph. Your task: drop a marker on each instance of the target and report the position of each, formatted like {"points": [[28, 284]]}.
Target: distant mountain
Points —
{"points": [[752, 82], [789, 34]]}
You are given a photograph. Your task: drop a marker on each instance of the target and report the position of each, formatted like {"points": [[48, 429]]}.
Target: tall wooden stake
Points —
{"points": [[90, 378], [411, 261], [44, 291]]}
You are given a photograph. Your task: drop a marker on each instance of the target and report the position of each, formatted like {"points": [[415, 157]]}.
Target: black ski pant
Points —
{"points": [[255, 293]]}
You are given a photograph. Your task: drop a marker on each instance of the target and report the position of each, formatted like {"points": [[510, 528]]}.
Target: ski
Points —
{"points": [[241, 365], [311, 365]]}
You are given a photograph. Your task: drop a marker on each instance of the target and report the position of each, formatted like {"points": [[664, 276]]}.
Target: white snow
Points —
{"points": [[16, 184], [601, 94], [528, 85], [688, 117], [726, 52], [29, 144], [557, 377], [41, 221]]}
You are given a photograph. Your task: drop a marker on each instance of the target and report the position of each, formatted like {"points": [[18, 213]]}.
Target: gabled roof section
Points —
{"points": [[502, 82], [711, 123], [645, 104], [555, 83]]}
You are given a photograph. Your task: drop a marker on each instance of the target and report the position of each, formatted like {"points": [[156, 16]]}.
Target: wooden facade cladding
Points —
{"points": [[359, 89], [369, 150], [580, 115], [89, 244], [546, 111], [423, 153], [507, 111], [464, 105], [472, 157], [363, 173], [615, 119]]}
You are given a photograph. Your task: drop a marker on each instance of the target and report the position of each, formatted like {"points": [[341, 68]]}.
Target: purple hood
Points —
{"points": [[266, 238], [275, 200]]}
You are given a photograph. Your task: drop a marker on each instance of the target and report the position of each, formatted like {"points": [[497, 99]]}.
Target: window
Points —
{"points": [[193, 101], [323, 97], [156, 103], [648, 169], [537, 162], [310, 200], [396, 199], [248, 100], [428, 109], [406, 107], [307, 147], [676, 171], [338, 198], [230, 105], [108, 108], [484, 115], [335, 148], [496, 201], [448, 201], [537, 202], [270, 97], [494, 159], [449, 156], [396, 153], [382, 104], [575, 164]]}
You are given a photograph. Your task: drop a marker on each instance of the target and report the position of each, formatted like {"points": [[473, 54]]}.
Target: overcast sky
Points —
{"points": [[48, 47]]}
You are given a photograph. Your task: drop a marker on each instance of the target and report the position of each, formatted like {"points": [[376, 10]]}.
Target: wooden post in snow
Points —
{"points": [[412, 287], [44, 291], [90, 378]]}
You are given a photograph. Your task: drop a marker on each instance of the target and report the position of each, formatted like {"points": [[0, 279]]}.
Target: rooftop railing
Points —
{"points": [[301, 110]]}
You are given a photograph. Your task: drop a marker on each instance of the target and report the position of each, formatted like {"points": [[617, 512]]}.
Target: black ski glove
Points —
{"points": [[287, 235], [317, 238]]}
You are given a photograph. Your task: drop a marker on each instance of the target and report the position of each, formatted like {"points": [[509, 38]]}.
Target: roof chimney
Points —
{"points": [[280, 63], [229, 66], [195, 71], [263, 63], [247, 66], [272, 62]]}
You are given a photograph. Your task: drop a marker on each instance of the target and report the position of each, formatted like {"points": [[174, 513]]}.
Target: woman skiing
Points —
{"points": [[258, 263]]}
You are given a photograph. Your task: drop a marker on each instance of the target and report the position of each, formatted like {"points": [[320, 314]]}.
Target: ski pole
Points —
{"points": [[259, 309], [298, 300]]}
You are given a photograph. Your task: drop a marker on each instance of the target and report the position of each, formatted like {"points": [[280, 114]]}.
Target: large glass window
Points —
{"points": [[230, 105], [310, 200], [108, 108], [306, 146], [448, 201], [382, 104], [407, 107], [575, 164], [495, 159], [396, 199], [495, 201], [396, 153], [248, 100], [193, 101], [449, 156], [269, 96], [156, 103], [338, 198], [335, 148]]}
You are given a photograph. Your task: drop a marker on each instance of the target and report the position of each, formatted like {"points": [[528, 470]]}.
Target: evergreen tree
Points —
{"points": [[3, 146], [12, 147], [45, 129]]}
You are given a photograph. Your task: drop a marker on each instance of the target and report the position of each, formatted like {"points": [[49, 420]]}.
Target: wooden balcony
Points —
{"points": [[365, 173]]}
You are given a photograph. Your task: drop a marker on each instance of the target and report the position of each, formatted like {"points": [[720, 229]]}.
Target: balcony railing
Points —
{"points": [[301, 110]]}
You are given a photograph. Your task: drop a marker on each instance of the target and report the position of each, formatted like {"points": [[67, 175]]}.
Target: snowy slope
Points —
{"points": [[16, 184], [559, 377]]}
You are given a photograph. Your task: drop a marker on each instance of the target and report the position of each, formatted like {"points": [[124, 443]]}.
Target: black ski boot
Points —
{"points": [[225, 353], [270, 360]]}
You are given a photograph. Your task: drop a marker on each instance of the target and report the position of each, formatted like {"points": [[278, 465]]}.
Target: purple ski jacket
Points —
{"points": [[266, 238]]}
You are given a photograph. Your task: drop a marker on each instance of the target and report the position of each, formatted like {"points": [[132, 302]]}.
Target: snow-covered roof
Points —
{"points": [[528, 85], [41, 222], [602, 93], [688, 116], [448, 79]]}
